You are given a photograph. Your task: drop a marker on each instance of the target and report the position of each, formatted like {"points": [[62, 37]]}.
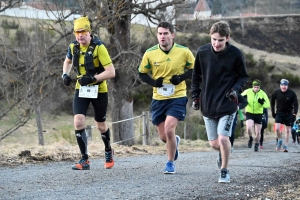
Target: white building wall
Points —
{"points": [[202, 14], [33, 13]]}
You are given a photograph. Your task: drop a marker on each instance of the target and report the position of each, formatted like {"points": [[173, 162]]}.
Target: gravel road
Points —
{"points": [[252, 173]]}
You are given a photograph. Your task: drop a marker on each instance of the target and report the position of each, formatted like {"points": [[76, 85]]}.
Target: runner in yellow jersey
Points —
{"points": [[92, 63], [165, 67]]}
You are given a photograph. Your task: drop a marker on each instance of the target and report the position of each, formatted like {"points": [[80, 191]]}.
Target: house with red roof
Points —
{"points": [[194, 10]]}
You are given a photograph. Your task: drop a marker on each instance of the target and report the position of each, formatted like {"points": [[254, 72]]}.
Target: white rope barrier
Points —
{"points": [[124, 120]]}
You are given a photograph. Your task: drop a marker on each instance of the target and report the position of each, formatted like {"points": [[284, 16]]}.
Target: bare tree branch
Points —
{"points": [[10, 4]]}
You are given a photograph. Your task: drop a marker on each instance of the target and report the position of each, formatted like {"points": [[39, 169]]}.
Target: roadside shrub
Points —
{"points": [[293, 79], [194, 127], [67, 135]]}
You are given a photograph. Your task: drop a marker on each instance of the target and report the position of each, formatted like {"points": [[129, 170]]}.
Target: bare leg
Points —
{"points": [[279, 134], [257, 132], [287, 135], [166, 131], [249, 126], [222, 144]]}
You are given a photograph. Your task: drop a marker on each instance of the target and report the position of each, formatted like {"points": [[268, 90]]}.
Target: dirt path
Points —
{"points": [[254, 175]]}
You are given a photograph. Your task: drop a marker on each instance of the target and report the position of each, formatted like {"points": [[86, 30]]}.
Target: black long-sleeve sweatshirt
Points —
{"points": [[285, 101], [214, 75]]}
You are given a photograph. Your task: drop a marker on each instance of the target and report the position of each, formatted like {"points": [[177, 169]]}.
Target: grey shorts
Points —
{"points": [[219, 126]]}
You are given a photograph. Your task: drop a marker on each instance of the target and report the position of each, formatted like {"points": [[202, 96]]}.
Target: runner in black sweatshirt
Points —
{"points": [[286, 111], [219, 75]]}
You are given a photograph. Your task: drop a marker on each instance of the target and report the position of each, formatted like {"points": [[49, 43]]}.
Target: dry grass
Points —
{"points": [[60, 143], [16, 154]]}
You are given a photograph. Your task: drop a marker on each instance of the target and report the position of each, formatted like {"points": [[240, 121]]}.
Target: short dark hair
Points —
{"points": [[221, 27], [166, 25]]}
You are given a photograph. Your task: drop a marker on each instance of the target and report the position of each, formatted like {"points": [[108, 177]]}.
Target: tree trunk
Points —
{"points": [[37, 110], [127, 127], [121, 101]]}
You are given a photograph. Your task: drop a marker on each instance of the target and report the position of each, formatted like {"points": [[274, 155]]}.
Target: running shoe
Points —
{"points": [[83, 164], [250, 143], [261, 147], [285, 149], [256, 147], [170, 168], [224, 176], [109, 161], [219, 160], [278, 147], [177, 144]]}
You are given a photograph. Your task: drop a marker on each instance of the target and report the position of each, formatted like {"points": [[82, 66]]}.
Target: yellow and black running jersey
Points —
{"points": [[161, 64]]}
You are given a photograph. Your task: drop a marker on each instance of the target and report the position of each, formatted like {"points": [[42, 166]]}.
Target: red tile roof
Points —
{"points": [[202, 5]]}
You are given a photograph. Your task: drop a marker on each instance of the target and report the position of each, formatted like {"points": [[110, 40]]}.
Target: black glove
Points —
{"points": [[274, 115], [176, 79], [294, 118], [85, 80], [196, 104], [261, 101], [231, 95], [196, 101], [158, 82], [242, 123], [67, 80]]}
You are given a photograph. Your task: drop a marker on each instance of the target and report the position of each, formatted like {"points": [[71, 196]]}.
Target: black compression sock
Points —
{"points": [[82, 142], [106, 140]]}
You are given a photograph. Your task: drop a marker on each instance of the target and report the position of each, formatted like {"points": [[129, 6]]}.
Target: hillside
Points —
{"points": [[275, 34], [283, 63]]}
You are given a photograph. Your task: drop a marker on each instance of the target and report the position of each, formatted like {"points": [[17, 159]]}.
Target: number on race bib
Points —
{"points": [[89, 91], [166, 90]]}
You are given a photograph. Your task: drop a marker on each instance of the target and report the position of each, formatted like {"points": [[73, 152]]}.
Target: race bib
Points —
{"points": [[89, 91], [166, 90]]}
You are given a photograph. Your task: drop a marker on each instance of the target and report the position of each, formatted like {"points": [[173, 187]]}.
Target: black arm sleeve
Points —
{"points": [[196, 77], [147, 79], [273, 97], [242, 101], [188, 74], [295, 104]]}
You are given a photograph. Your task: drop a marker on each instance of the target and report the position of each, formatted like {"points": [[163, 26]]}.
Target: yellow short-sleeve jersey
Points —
{"points": [[158, 63], [100, 55]]}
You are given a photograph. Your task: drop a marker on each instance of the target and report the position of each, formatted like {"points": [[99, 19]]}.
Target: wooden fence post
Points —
{"points": [[184, 131], [144, 128]]}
